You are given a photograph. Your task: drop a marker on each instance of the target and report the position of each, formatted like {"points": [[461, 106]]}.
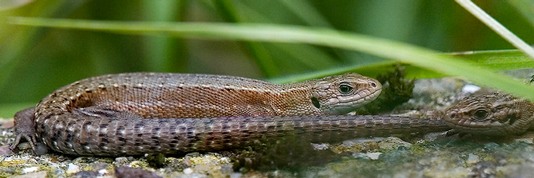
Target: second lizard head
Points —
{"points": [[490, 113]]}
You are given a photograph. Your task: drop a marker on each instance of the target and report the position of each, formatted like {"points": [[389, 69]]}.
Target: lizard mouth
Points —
{"points": [[370, 95], [351, 105]]}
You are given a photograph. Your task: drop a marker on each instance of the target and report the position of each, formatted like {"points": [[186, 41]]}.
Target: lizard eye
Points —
{"points": [[480, 114], [345, 88]]}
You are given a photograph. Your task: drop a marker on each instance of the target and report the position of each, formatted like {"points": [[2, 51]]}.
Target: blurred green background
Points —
{"points": [[36, 61]]}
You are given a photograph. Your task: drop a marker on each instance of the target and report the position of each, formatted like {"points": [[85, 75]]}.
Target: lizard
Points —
{"points": [[136, 113]]}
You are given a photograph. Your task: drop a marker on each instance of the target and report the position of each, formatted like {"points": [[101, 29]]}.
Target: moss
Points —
{"points": [[396, 89]]}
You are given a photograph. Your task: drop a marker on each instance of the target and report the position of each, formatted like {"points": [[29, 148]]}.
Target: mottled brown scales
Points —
{"points": [[213, 96], [137, 113], [489, 112]]}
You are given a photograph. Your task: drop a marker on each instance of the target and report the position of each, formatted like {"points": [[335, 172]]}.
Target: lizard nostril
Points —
{"points": [[373, 84]]}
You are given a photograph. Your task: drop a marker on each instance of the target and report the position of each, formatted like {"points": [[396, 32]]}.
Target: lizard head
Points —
{"points": [[490, 113], [344, 93]]}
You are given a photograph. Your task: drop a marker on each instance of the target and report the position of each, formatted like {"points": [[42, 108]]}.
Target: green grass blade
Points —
{"points": [[258, 52], [402, 52], [306, 12], [498, 59], [495, 60], [161, 52]]}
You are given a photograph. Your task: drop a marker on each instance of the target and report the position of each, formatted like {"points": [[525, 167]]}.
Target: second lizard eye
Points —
{"points": [[345, 88], [480, 114]]}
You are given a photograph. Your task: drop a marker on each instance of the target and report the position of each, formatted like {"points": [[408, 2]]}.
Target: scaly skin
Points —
{"points": [[133, 114], [137, 113], [491, 113]]}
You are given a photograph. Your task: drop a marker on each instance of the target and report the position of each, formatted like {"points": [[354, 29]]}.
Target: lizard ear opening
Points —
{"points": [[315, 102]]}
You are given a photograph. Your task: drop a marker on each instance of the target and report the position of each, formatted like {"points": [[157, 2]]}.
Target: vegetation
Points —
{"points": [[45, 45]]}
